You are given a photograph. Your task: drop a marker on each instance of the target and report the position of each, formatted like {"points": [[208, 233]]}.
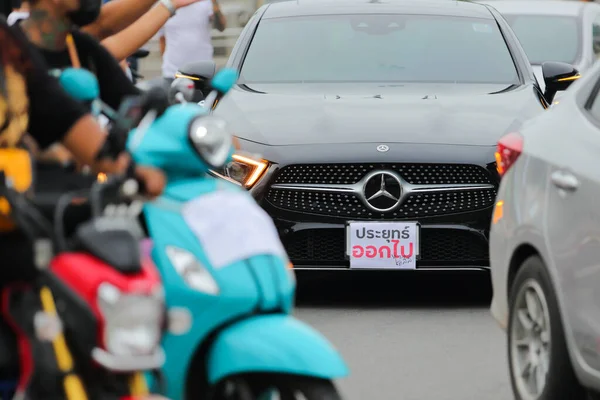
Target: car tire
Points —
{"points": [[560, 382]]}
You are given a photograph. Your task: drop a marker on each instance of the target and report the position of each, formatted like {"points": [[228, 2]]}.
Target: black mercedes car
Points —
{"points": [[368, 128]]}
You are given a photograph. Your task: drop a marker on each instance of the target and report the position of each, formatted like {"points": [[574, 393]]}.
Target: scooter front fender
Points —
{"points": [[273, 344]]}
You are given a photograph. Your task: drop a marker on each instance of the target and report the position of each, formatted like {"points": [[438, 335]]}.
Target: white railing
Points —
{"points": [[222, 41]]}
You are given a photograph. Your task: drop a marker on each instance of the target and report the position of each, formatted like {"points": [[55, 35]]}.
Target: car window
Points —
{"points": [[596, 36], [593, 102], [547, 37], [384, 47]]}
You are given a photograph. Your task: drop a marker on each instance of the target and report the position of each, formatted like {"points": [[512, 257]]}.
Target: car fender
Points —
{"points": [[275, 343]]}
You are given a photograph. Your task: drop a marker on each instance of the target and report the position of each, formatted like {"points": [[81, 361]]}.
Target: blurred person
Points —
{"points": [[186, 37], [115, 15], [130, 39], [32, 101], [51, 30], [124, 43]]}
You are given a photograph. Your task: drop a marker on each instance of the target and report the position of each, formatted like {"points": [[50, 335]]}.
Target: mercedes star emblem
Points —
{"points": [[382, 148], [383, 191]]}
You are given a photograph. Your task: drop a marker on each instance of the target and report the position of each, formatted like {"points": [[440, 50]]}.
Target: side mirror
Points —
{"points": [[182, 90], [558, 76], [201, 73], [80, 84]]}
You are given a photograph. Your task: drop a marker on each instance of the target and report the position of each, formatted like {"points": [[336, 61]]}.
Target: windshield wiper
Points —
{"points": [[248, 88], [506, 89]]}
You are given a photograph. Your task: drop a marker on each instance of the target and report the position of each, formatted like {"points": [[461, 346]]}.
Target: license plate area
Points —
{"points": [[383, 244]]}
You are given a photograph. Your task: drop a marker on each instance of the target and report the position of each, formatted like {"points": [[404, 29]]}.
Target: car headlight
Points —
{"points": [[192, 272], [244, 170], [211, 139], [133, 323]]}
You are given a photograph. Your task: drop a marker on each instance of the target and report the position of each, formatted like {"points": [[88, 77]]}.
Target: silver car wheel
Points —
{"points": [[530, 340]]}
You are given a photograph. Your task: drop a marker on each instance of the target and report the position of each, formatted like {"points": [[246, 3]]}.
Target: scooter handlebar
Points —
{"points": [[117, 188]]}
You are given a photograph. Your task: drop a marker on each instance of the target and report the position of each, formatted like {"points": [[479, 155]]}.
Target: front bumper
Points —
{"points": [[311, 204], [459, 243], [313, 191]]}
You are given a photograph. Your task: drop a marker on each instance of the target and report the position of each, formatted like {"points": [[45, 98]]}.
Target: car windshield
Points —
{"points": [[547, 37], [378, 48]]}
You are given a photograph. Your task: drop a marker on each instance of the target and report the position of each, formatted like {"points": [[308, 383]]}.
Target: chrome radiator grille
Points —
{"points": [[423, 190], [415, 174]]}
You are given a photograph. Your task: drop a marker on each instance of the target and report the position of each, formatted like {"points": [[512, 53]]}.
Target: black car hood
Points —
{"points": [[298, 114]]}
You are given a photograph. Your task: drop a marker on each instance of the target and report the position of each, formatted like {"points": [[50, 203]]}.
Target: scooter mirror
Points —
{"points": [[181, 91], [80, 84]]}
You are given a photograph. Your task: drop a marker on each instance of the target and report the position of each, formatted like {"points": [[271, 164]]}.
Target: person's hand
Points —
{"points": [[118, 166], [184, 3], [153, 179]]}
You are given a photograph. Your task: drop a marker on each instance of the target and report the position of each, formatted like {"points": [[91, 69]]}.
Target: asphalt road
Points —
{"points": [[409, 337]]}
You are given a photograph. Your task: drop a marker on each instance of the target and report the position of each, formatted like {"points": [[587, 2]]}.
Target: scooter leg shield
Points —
{"points": [[275, 344]]}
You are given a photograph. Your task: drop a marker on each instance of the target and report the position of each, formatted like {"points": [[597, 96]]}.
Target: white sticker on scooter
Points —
{"points": [[231, 227]]}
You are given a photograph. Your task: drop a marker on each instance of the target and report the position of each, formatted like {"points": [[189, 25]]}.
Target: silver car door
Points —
{"points": [[573, 219]]}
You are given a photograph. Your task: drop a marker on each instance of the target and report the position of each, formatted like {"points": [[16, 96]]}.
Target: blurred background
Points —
{"points": [[237, 12]]}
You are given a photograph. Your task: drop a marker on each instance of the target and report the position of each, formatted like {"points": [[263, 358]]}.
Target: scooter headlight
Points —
{"points": [[211, 139], [192, 272], [133, 323]]}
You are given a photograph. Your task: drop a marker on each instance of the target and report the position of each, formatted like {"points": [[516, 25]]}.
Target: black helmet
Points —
{"points": [[88, 12]]}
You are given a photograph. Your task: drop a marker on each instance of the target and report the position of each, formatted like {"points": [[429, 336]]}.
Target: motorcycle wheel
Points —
{"points": [[275, 387]]}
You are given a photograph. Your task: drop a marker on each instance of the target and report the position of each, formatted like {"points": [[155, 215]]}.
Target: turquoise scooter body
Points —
{"points": [[232, 313]]}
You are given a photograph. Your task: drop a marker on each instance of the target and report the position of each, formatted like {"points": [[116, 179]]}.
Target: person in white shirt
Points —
{"points": [[186, 37]]}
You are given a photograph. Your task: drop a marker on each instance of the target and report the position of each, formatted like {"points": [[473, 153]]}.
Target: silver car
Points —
{"points": [[545, 248]]}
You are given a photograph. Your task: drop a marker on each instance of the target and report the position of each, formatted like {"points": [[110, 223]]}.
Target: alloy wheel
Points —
{"points": [[530, 340]]}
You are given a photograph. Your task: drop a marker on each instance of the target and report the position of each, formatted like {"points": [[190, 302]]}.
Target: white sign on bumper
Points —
{"points": [[383, 245]]}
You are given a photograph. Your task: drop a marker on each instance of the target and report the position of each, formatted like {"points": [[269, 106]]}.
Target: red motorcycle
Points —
{"points": [[91, 322]]}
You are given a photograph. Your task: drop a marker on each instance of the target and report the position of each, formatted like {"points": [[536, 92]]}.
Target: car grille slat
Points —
{"points": [[438, 246], [415, 174], [348, 205]]}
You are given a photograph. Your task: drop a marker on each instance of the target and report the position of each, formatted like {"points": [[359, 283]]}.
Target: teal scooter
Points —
{"points": [[229, 286]]}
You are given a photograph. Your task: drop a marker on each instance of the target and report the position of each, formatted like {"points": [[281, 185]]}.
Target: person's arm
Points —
{"points": [[130, 39], [219, 20], [114, 83], [117, 15]]}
